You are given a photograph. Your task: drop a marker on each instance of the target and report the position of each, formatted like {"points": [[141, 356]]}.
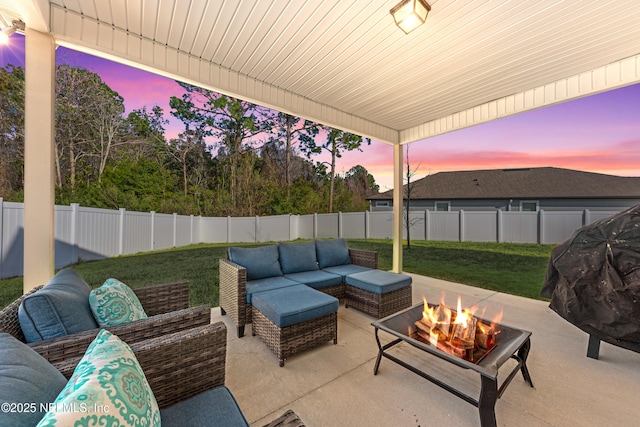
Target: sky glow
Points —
{"points": [[599, 133]]}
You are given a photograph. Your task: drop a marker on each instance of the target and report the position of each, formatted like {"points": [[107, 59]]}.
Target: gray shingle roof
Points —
{"points": [[530, 183]]}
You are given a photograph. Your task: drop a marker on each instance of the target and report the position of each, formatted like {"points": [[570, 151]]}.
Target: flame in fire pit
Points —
{"points": [[458, 332]]}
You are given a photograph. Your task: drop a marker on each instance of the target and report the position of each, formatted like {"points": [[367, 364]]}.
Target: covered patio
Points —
{"points": [[334, 385], [342, 63], [345, 64]]}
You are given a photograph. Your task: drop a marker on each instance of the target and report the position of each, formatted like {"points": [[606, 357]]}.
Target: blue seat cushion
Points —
{"points": [[378, 281], [294, 304], [297, 256], [26, 378], [316, 279], [214, 407], [332, 252], [260, 262], [268, 284], [344, 270], [60, 308]]}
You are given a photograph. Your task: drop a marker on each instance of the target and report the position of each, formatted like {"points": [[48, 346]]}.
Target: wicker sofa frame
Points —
{"points": [[233, 287], [167, 306]]}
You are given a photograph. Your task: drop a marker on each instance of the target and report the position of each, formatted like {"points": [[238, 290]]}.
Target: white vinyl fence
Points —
{"points": [[89, 233]]}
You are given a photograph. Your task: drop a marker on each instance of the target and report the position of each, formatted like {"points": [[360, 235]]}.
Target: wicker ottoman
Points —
{"points": [[378, 293], [292, 319]]}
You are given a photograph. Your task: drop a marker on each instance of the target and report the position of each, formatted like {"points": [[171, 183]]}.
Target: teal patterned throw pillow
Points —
{"points": [[107, 388], [114, 303]]}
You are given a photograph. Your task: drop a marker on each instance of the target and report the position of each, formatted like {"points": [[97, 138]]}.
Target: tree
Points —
{"points": [[11, 130], [336, 143], [188, 141], [107, 124], [407, 190], [360, 182], [145, 132], [232, 121], [88, 119], [294, 129]]}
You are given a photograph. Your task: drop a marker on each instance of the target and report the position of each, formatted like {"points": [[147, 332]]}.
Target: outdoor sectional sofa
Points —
{"points": [[324, 265]]}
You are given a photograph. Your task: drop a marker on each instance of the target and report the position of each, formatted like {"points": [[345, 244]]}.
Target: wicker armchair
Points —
{"points": [[177, 365], [233, 287], [185, 364], [167, 306]]}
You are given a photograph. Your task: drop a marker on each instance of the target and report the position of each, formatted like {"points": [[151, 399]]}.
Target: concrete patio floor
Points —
{"points": [[334, 385]]}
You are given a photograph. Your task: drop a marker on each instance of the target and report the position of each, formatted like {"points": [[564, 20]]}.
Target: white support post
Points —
{"points": [[39, 122], [397, 208]]}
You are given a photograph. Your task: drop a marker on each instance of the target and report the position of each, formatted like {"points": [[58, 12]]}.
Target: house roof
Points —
{"points": [[522, 183], [347, 65]]}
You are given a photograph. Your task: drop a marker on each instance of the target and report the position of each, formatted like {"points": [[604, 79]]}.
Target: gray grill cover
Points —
{"points": [[593, 278]]}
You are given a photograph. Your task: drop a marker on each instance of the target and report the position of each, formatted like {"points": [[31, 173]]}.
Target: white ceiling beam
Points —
{"points": [[612, 76]]}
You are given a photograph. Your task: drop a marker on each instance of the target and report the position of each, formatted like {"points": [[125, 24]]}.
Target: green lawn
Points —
{"points": [[516, 269]]}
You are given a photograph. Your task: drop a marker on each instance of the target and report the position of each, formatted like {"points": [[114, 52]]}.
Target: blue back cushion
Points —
{"points": [[60, 308], [26, 378], [260, 262], [332, 252], [297, 257]]}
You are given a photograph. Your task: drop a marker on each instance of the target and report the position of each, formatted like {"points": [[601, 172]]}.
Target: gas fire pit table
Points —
{"points": [[510, 343]]}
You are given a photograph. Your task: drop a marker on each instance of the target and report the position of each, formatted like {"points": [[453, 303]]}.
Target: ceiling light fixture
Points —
{"points": [[7, 32], [410, 14]]}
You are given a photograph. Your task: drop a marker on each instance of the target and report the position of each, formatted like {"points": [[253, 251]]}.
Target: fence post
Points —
{"points": [[315, 225], [586, 218], [339, 225], [175, 228], [74, 232], [499, 225], [228, 227], [541, 226], [255, 229], [367, 224], [153, 229], [427, 224], [121, 232], [461, 224], [191, 231]]}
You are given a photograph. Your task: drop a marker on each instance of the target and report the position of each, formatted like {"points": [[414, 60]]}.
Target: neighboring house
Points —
{"points": [[522, 189]]}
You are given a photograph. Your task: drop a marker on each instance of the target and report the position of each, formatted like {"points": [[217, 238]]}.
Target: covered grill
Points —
{"points": [[593, 280]]}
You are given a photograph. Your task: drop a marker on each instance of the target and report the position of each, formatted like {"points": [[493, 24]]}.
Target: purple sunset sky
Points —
{"points": [[599, 133]]}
